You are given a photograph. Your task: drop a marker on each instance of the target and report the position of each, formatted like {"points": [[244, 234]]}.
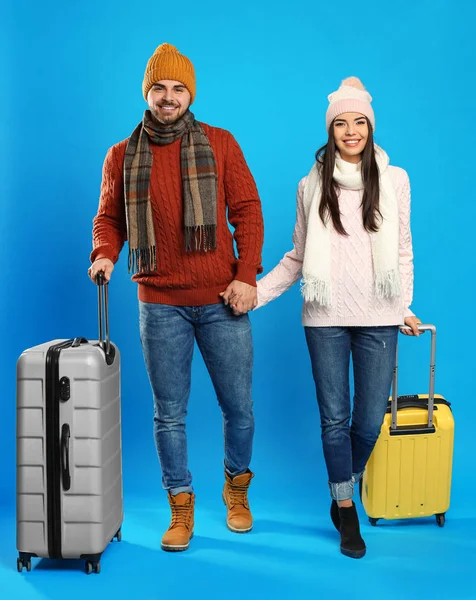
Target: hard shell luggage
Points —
{"points": [[69, 457], [409, 472]]}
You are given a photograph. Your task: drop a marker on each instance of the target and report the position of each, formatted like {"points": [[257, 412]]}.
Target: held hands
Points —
{"points": [[241, 297], [412, 322], [102, 264]]}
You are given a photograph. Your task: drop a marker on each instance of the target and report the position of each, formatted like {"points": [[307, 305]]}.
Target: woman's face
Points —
{"points": [[351, 133]]}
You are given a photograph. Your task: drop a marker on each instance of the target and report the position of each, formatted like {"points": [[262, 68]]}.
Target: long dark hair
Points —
{"points": [[329, 205]]}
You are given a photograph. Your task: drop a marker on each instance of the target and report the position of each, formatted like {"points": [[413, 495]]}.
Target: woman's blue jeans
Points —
{"points": [[347, 447]]}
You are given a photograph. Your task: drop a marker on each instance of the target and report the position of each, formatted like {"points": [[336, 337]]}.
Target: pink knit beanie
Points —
{"points": [[350, 97]]}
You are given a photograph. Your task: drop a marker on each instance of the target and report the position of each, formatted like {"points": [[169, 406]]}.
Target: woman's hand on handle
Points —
{"points": [[412, 322]]}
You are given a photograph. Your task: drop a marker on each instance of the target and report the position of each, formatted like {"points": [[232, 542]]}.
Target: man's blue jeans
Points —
{"points": [[347, 448], [167, 336]]}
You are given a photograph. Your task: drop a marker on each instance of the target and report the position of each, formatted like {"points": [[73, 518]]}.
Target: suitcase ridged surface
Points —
{"points": [[92, 508], [410, 475], [32, 521]]}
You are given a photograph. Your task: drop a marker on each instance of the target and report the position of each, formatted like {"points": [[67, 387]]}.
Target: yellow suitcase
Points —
{"points": [[409, 472]]}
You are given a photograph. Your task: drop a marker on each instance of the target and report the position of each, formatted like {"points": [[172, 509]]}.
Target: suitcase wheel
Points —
{"points": [[23, 563], [92, 566], [440, 519], [373, 521], [118, 536]]}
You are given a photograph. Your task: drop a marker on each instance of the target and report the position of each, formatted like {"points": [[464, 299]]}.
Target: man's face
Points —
{"points": [[168, 100]]}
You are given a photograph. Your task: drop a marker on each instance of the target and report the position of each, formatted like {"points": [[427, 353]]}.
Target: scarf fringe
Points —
{"points": [[142, 260], [387, 284], [200, 238], [314, 290]]}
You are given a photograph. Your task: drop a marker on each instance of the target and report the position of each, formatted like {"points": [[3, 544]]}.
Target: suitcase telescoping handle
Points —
{"points": [[431, 394], [103, 309]]}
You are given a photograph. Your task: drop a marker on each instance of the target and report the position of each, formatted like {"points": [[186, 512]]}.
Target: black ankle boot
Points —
{"points": [[351, 542], [335, 517]]}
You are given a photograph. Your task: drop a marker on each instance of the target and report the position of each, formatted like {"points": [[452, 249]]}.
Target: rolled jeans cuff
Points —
{"points": [[188, 489], [356, 477], [342, 491]]}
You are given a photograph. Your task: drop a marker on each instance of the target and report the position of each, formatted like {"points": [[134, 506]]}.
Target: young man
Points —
{"points": [[168, 190]]}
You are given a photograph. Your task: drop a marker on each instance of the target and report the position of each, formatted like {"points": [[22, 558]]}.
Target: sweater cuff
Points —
{"points": [[104, 251], [408, 313], [246, 273]]}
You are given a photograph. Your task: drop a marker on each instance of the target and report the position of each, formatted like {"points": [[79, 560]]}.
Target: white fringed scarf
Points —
{"points": [[316, 283]]}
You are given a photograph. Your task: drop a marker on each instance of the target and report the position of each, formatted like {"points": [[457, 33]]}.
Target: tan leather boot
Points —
{"points": [[178, 535], [235, 496]]}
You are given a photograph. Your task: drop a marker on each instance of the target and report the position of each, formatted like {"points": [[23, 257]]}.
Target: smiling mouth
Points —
{"points": [[352, 143], [168, 108]]}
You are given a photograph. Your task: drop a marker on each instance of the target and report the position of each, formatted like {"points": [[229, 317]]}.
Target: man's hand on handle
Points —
{"points": [[103, 265]]}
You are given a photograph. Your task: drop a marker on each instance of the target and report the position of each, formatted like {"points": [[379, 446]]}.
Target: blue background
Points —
{"points": [[72, 78]]}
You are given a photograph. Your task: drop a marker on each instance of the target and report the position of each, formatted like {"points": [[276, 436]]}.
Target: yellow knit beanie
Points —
{"points": [[168, 63]]}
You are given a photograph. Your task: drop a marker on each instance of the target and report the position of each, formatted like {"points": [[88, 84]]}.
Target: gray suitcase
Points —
{"points": [[69, 455]]}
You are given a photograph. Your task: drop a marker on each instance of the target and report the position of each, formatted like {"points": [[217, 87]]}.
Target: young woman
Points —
{"points": [[353, 251]]}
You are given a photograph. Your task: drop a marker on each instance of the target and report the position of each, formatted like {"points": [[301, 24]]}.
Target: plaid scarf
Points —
{"points": [[199, 181]]}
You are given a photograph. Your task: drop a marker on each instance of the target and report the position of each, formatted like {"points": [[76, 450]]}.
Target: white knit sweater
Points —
{"points": [[354, 302]]}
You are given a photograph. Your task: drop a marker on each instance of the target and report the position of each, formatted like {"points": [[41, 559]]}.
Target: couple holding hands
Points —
{"points": [[170, 190]]}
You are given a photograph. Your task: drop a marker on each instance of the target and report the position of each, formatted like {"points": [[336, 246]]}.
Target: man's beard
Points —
{"points": [[166, 121]]}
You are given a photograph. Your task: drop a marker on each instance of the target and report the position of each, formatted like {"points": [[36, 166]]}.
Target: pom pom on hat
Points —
{"points": [[350, 97], [353, 82]]}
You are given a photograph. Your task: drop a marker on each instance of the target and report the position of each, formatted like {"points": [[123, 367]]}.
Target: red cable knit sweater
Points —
{"points": [[185, 278]]}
